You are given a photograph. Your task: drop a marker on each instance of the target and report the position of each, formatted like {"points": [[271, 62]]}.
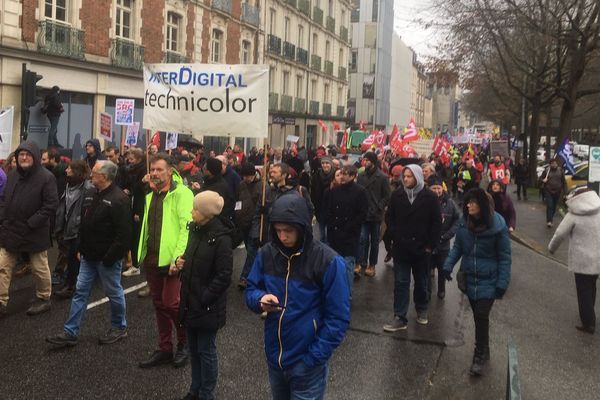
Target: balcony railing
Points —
{"points": [[317, 15], [222, 5], [304, 7], [250, 14], [315, 62], [341, 111], [291, 2], [273, 101], [330, 24], [342, 73], [61, 40], [302, 56], [328, 67], [289, 51], [176, 58], [314, 108], [286, 103], [327, 109], [274, 44], [344, 33], [127, 54], [299, 105]]}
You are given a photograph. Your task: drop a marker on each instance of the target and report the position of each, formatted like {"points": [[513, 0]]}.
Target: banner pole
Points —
{"points": [[122, 139], [264, 191], [147, 150]]}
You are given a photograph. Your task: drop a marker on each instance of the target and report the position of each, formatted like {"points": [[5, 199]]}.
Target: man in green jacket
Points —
{"points": [[163, 239]]}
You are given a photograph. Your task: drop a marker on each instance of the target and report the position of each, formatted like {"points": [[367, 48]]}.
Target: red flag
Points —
{"points": [[411, 132], [344, 141], [374, 139], [155, 139], [322, 125], [336, 126], [408, 151], [395, 135]]}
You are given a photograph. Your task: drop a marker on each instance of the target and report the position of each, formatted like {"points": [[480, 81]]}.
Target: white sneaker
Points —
{"points": [[422, 319], [133, 271]]}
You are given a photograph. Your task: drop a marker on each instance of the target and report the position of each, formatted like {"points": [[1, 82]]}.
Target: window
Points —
{"points": [[327, 50], [313, 89], [343, 21], [246, 46], [370, 36], [286, 29], [299, 88], [326, 93], [272, 19], [56, 9], [315, 43], [173, 22], [353, 60], [123, 19], [375, 10], [341, 57], [271, 78], [341, 100], [330, 8], [286, 82], [300, 36], [217, 39]]}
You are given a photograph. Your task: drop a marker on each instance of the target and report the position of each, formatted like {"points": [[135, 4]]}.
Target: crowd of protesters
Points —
{"points": [[177, 217]]}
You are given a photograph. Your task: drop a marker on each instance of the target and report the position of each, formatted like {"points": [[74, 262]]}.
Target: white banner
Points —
{"points": [[6, 126], [207, 99]]}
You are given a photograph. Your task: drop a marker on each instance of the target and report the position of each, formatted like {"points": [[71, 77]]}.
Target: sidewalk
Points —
{"points": [[531, 230]]}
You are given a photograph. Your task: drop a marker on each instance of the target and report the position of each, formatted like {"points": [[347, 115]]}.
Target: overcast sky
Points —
{"points": [[413, 33]]}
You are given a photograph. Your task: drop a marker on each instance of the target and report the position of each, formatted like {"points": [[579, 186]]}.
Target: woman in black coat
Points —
{"points": [[205, 276]]}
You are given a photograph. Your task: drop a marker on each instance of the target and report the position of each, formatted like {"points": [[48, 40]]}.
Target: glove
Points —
{"points": [[500, 293], [448, 275]]}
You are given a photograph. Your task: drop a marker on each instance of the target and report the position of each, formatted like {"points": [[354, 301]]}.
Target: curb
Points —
{"points": [[535, 246]]}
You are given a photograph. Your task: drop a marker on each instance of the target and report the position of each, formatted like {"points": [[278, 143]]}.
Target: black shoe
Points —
{"points": [[63, 340], [189, 396], [587, 329], [39, 306], [3, 311], [113, 335], [181, 356], [65, 293], [157, 358], [441, 295], [479, 361]]}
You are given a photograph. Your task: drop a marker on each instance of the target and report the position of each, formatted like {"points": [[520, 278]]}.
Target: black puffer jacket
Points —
{"points": [[378, 192], [219, 185], [206, 275], [29, 204], [248, 194]]}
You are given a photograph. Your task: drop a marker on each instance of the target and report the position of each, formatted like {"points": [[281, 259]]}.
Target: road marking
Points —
{"points": [[126, 291]]}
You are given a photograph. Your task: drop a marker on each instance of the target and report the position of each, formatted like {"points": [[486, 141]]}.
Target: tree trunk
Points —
{"points": [[567, 111], [534, 137]]}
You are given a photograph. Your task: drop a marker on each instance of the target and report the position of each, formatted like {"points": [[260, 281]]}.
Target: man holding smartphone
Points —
{"points": [[301, 283]]}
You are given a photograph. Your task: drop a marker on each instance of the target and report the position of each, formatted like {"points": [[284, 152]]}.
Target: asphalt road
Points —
{"points": [[539, 311]]}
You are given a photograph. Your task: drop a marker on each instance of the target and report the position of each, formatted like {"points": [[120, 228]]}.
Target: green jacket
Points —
{"points": [[177, 213]]}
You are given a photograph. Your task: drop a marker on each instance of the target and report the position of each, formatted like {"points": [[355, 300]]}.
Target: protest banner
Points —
{"points": [[124, 111], [133, 131], [171, 142], [207, 99], [106, 126]]}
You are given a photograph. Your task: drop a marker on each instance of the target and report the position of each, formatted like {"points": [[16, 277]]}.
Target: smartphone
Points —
{"points": [[273, 304]]}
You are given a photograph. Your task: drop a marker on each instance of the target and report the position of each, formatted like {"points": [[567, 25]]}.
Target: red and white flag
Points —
{"points": [[155, 139], [361, 125], [376, 139], [323, 125], [440, 145], [411, 132]]}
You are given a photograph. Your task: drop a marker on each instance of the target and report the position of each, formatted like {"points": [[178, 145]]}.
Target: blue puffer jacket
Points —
{"points": [[486, 258], [312, 285]]}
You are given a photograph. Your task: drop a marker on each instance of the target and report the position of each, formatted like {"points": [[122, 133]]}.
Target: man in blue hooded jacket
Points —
{"points": [[301, 283]]}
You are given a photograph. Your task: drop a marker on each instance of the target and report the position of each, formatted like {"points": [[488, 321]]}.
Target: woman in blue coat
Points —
{"points": [[483, 243]]}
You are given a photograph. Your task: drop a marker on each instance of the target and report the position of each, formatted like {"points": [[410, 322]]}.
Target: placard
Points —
{"points": [[124, 111], [594, 164], [171, 142], [106, 126], [133, 131]]}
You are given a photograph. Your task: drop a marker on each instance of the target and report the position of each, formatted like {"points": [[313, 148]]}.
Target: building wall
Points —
{"points": [[94, 74], [401, 83]]}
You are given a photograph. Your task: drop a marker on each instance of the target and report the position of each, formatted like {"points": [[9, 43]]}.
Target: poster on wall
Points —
{"points": [[207, 99], [6, 127], [124, 111], [106, 126], [131, 136]]}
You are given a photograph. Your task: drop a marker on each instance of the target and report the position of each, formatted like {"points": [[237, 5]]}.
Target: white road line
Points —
{"points": [[126, 291]]}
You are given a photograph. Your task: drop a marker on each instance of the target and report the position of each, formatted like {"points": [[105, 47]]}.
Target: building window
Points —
{"points": [[330, 8], [343, 21], [341, 57], [353, 60], [173, 23], [326, 93], [286, 29], [286, 82], [272, 19], [327, 50], [217, 42], [313, 89], [300, 36], [375, 10], [271, 79], [246, 46], [315, 44], [56, 9], [123, 19], [299, 88], [341, 100]]}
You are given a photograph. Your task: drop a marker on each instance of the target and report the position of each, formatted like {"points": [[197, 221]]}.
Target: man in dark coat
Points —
{"points": [[93, 152], [53, 108], [247, 199], [229, 176], [378, 194], [213, 180], [321, 180], [344, 215], [522, 178], [415, 221], [30, 202]]}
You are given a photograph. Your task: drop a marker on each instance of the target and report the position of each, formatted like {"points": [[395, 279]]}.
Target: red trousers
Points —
{"points": [[164, 290]]}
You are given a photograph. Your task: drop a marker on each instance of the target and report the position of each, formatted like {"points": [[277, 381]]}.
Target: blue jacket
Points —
{"points": [[486, 258], [310, 282]]}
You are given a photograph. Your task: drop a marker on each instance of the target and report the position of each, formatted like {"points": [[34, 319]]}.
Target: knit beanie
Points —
{"points": [[214, 165], [434, 180], [371, 156], [396, 169], [248, 169], [208, 203], [326, 159]]}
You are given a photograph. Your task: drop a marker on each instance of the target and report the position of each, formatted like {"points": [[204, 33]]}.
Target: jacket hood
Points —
{"points": [[418, 173], [586, 203], [32, 148], [498, 224], [96, 144], [291, 209]]}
